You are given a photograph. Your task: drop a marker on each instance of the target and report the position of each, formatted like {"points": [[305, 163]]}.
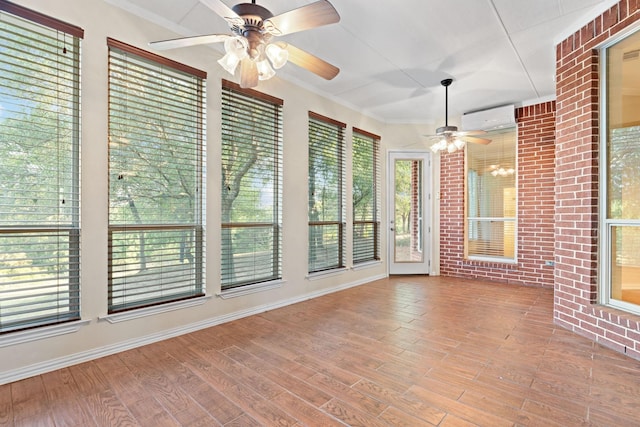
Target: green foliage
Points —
{"points": [[39, 174], [623, 177], [154, 156], [250, 193], [364, 185], [402, 195]]}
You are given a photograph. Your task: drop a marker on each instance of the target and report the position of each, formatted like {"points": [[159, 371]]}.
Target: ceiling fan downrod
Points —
{"points": [[446, 83], [446, 129]]}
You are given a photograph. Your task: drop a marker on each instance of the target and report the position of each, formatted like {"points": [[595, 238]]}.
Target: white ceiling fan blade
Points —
{"points": [[306, 17], [248, 73], [471, 132], [475, 140], [188, 41], [310, 62], [221, 9]]}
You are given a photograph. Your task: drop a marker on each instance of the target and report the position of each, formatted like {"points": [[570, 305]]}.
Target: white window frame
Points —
{"points": [[605, 224], [505, 220]]}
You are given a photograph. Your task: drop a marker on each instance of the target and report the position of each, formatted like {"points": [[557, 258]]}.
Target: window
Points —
{"points": [[251, 187], [326, 194], [39, 169], [366, 221], [156, 121], [491, 198], [622, 159], [408, 211]]}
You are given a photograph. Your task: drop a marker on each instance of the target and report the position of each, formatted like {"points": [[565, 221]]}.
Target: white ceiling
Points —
{"points": [[393, 54]]}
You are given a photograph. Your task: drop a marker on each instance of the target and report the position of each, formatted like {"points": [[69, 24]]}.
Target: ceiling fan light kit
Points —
{"points": [[497, 170], [250, 46], [448, 138], [277, 55], [448, 144], [236, 50]]}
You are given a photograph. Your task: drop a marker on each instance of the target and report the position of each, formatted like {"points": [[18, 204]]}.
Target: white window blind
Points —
{"points": [[39, 169], [156, 154], [326, 194], [251, 186], [491, 197], [366, 196]]}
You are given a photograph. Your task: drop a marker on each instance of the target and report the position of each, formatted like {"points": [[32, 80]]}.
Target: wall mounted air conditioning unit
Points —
{"points": [[491, 119]]}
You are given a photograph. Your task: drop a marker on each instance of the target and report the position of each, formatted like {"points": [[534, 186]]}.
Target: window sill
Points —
{"points": [[250, 289], [367, 264], [327, 273], [40, 333], [156, 309], [477, 260], [625, 308]]}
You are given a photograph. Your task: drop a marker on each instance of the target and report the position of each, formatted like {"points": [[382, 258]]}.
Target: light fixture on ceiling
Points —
{"points": [[448, 138], [250, 47], [236, 50], [267, 57], [497, 170], [448, 143]]}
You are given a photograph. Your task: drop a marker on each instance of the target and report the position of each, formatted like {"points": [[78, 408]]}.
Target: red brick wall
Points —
{"points": [[451, 213], [576, 219], [536, 137]]}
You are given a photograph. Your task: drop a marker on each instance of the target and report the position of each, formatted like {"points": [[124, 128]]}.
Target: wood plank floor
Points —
{"points": [[404, 351]]}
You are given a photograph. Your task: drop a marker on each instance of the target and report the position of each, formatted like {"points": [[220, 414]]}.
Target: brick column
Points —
{"points": [[577, 186]]}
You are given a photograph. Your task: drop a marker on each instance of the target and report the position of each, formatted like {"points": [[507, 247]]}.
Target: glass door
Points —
{"points": [[408, 212]]}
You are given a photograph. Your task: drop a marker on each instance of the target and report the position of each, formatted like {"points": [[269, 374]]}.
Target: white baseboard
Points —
{"points": [[85, 356]]}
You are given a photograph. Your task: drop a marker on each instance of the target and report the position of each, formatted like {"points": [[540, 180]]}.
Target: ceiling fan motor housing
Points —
{"points": [[444, 130], [253, 16]]}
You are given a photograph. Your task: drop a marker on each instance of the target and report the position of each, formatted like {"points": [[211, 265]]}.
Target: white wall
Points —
{"points": [[99, 337]]}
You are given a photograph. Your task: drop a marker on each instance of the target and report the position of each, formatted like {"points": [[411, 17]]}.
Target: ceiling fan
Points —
{"points": [[251, 46], [449, 138]]}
